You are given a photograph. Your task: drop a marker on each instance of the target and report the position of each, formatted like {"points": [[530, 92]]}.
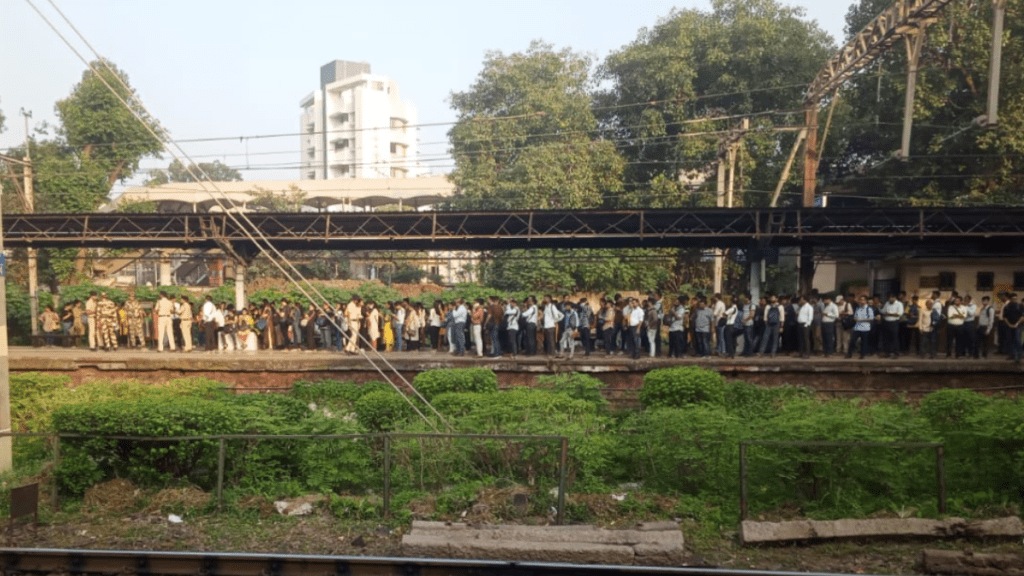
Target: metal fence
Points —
{"points": [[386, 441], [940, 469]]}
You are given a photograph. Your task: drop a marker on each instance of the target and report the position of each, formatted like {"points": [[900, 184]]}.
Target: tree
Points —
{"points": [[290, 201], [952, 160], [101, 129], [680, 88], [526, 135], [176, 172]]}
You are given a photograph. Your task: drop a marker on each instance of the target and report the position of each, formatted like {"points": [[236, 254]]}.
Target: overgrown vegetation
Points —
{"points": [[682, 448]]}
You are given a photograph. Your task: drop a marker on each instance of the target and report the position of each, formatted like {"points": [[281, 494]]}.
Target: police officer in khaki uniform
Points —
{"points": [[106, 313], [186, 315], [135, 315], [164, 309]]}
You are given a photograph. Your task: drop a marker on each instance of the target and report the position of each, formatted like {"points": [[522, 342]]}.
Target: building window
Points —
{"points": [[1018, 280], [311, 152], [378, 86], [986, 281], [340, 144], [310, 128], [398, 124], [310, 175], [399, 172], [947, 280], [398, 149]]}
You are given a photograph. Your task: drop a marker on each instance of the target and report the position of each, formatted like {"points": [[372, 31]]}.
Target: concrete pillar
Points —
{"points": [[165, 270], [755, 280], [239, 285]]}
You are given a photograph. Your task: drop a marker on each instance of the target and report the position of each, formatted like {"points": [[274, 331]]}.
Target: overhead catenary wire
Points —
{"points": [[294, 274]]}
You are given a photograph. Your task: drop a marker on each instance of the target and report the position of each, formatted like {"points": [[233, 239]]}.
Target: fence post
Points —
{"points": [[940, 473], [563, 473], [743, 481], [220, 473], [55, 497], [387, 475]]}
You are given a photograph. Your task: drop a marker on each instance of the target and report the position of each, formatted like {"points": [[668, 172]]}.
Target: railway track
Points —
{"points": [[18, 561]]}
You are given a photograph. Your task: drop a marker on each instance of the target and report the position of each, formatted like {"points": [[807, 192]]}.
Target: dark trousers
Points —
{"points": [[609, 341], [971, 337], [731, 333], [891, 337], [804, 337], [703, 343], [549, 341], [749, 342], [457, 334], [513, 341], [981, 342], [929, 340], [1015, 344], [531, 338], [856, 338], [676, 343], [588, 344], [633, 335], [210, 335], [828, 338], [770, 340], [961, 333], [495, 339]]}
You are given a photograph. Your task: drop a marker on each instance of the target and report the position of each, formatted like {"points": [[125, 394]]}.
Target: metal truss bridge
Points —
{"points": [[953, 230]]}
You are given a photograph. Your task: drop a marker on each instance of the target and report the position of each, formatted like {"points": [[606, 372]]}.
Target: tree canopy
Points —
{"points": [[676, 91], [526, 136], [953, 160], [177, 172]]}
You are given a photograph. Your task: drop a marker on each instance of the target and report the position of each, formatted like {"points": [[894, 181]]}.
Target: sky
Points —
{"points": [[238, 69]]}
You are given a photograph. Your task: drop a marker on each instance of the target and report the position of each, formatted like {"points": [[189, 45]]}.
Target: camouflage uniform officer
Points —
{"points": [[133, 309], [106, 311]]}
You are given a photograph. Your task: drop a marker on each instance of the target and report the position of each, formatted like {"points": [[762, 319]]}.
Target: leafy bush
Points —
{"points": [[334, 395], [381, 411], [32, 399], [952, 408], [681, 386], [438, 381], [575, 385]]}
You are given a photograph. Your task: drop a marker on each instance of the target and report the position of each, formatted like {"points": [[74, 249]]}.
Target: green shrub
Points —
{"points": [[335, 395], [338, 465], [441, 380], [382, 410], [575, 385], [682, 386], [952, 408], [33, 396]]}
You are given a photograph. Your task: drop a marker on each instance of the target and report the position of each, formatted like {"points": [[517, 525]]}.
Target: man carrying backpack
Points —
{"points": [[774, 317]]}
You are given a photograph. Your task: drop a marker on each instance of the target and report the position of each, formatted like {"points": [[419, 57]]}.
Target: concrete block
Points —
{"points": [[761, 532], [971, 564], [659, 555], [656, 526], [1009, 527]]}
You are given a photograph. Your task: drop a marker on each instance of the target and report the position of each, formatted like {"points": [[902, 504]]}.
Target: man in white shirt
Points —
{"points": [[552, 316], [829, 316], [354, 317], [459, 317], [164, 309], [209, 325], [986, 321], [718, 316], [804, 321], [892, 312], [530, 317], [636, 321]]}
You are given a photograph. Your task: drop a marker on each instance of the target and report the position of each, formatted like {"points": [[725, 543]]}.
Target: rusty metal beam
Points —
{"points": [[891, 26]]}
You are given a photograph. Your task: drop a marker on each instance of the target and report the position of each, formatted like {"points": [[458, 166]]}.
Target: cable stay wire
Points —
{"points": [[266, 246]]}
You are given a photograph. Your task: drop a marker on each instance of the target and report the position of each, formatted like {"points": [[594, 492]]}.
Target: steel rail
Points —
{"points": [[46, 561], [478, 231]]}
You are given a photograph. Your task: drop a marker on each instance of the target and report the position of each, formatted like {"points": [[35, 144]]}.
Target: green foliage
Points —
{"points": [[681, 386], [949, 163], [576, 385], [177, 172], [952, 409], [742, 57], [32, 399], [441, 380], [334, 395], [503, 164], [381, 411]]}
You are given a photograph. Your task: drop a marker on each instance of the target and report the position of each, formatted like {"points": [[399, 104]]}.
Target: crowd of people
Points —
{"points": [[701, 326]]}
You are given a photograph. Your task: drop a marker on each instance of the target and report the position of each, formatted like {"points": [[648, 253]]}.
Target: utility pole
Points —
{"points": [[33, 257], [998, 17], [6, 442]]}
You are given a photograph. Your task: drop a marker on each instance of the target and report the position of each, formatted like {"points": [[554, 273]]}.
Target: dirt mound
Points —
{"points": [[116, 496], [178, 500]]}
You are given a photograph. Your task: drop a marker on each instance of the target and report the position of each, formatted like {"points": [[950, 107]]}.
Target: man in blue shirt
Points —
{"points": [[864, 316]]}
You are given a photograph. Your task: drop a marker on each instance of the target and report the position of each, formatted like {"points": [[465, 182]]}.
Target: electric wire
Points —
{"points": [[322, 303]]}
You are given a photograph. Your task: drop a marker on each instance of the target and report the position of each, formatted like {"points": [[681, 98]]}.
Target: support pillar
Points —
{"points": [[810, 188], [995, 68], [239, 285], [914, 41], [719, 201], [755, 267], [164, 277]]}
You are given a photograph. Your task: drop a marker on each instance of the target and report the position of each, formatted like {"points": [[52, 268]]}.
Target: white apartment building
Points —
{"points": [[357, 126]]}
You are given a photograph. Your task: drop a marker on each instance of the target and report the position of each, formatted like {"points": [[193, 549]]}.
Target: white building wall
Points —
{"points": [[370, 131]]}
